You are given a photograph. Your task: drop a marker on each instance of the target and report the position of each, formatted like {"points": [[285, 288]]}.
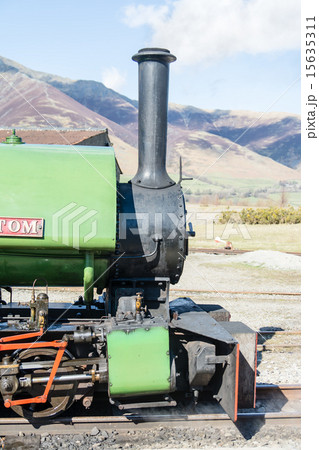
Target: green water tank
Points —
{"points": [[57, 214]]}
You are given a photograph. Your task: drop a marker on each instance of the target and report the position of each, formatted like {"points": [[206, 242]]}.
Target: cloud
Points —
{"points": [[113, 79], [154, 15], [207, 30]]}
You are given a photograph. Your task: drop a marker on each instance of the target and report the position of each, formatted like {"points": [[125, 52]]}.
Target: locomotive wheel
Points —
{"points": [[60, 397]]}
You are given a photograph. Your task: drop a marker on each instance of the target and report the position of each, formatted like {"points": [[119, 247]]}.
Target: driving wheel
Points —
{"points": [[60, 396]]}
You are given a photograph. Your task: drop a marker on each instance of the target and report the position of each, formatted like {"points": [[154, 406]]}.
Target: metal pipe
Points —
{"points": [[88, 277], [65, 378], [152, 117]]}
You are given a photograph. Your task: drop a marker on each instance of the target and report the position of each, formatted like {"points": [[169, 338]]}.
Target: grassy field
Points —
{"points": [[283, 237]]}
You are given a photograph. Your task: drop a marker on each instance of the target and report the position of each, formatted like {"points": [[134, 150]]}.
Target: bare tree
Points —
{"points": [[283, 196]]}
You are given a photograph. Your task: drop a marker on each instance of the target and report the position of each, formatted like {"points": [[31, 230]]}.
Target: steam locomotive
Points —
{"points": [[68, 220]]}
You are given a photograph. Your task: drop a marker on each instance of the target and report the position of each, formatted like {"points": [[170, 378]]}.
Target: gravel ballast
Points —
{"points": [[282, 437]]}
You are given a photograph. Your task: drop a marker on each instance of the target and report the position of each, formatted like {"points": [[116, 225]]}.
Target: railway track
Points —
{"points": [[210, 291], [194, 291], [223, 251], [283, 408], [274, 347], [266, 346]]}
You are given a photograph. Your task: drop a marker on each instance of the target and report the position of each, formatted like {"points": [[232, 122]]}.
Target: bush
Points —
{"points": [[255, 216], [227, 215]]}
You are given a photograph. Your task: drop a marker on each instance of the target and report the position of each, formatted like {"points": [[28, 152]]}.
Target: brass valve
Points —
{"points": [[139, 299], [41, 319], [39, 308]]}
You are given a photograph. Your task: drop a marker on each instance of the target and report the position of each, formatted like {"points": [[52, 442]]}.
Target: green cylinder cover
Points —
{"points": [[138, 361], [57, 205]]}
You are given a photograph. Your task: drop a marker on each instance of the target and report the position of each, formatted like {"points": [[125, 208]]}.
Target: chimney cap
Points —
{"points": [[154, 54]]}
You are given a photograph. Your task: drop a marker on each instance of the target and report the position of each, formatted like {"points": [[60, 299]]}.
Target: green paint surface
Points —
{"points": [[139, 362], [73, 188]]}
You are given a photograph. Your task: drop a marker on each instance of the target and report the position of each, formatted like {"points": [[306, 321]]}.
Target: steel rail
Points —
{"points": [[224, 251], [210, 291], [76, 425], [55, 289], [280, 332], [80, 425], [290, 391], [135, 418], [266, 347]]}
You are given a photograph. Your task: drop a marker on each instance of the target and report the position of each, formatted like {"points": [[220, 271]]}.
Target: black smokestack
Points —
{"points": [[152, 115]]}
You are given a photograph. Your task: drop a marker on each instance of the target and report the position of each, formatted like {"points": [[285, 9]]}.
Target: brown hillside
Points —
{"points": [[207, 146]]}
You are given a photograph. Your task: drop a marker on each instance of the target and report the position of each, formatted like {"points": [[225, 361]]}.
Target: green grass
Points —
{"points": [[239, 182], [283, 237], [238, 191], [293, 199]]}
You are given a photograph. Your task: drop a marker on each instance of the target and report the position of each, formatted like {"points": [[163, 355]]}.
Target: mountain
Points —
{"points": [[30, 103], [92, 94], [234, 144], [275, 135]]}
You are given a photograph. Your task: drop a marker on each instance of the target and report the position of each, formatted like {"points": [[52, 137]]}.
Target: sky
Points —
{"points": [[231, 54]]}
